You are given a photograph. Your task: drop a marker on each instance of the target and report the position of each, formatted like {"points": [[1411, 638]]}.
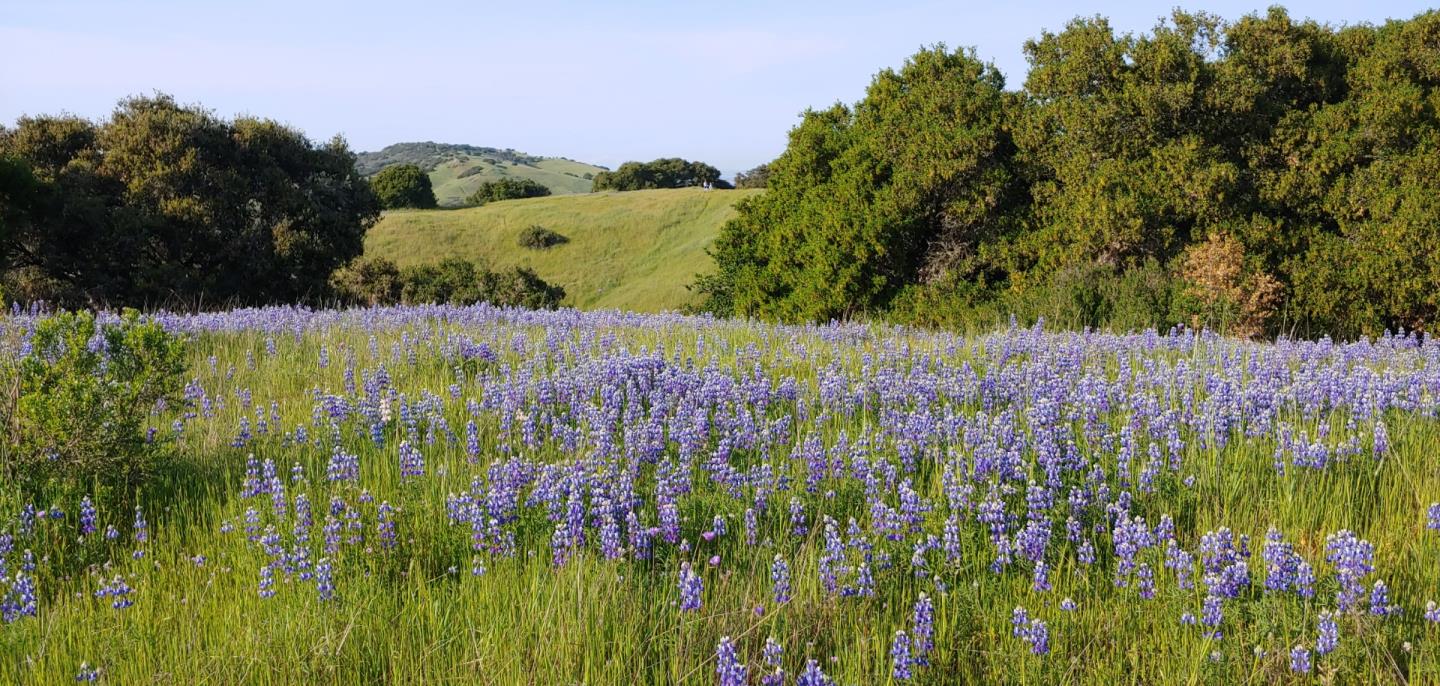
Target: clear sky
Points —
{"points": [[600, 82]]}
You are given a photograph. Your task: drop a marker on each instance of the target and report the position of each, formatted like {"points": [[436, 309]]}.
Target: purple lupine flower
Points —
{"points": [[1019, 622], [324, 579], [772, 652], [1040, 580], [1380, 600], [1211, 614], [267, 581], [343, 466], [385, 525], [1039, 637], [812, 675], [1068, 605], [751, 527], [1433, 517], [1432, 612], [691, 586], [922, 624], [1300, 660], [1329, 634], [119, 591], [87, 673], [412, 463], [87, 516], [1381, 444], [1353, 559], [729, 670], [780, 578], [900, 656], [797, 518], [19, 601], [141, 529], [1146, 581]]}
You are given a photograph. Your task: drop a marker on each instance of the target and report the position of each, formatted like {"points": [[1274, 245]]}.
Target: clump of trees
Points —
{"points": [[670, 172], [378, 281], [403, 186], [759, 177], [507, 189], [1262, 176], [169, 204]]}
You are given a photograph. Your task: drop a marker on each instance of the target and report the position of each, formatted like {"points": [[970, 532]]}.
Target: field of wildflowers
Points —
{"points": [[478, 495]]}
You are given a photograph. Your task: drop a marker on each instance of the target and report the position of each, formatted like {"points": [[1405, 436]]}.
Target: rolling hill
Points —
{"points": [[457, 170], [635, 250]]}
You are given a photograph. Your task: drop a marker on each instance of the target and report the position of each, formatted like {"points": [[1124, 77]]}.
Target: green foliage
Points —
{"points": [[863, 200], [508, 189], [1316, 149], [459, 281], [165, 203], [368, 281], [403, 186], [74, 409], [759, 177], [669, 172], [537, 237]]}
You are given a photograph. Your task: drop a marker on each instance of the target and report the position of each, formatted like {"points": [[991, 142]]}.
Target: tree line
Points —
{"points": [[1263, 176], [166, 204]]}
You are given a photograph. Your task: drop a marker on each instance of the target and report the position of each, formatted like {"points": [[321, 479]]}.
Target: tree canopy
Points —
{"points": [[403, 186], [166, 203], [669, 172], [508, 189], [1265, 175]]}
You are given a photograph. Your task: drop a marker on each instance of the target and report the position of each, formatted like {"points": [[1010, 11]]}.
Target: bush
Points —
{"points": [[507, 189], [461, 282], [367, 281], [539, 238], [74, 407]]}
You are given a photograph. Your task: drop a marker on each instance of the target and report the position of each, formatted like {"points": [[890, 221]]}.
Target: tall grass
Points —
{"points": [[419, 613]]}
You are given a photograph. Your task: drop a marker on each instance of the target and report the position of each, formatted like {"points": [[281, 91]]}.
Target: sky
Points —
{"points": [[599, 82]]}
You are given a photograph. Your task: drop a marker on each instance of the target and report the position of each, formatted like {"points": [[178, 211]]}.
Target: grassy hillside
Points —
{"points": [[634, 250], [457, 170]]}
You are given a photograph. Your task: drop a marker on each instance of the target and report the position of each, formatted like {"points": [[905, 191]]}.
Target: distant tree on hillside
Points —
{"points": [[670, 172], [507, 189], [758, 177], [403, 186]]}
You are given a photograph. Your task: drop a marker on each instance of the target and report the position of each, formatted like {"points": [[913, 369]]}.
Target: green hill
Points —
{"points": [[457, 170], [634, 250]]}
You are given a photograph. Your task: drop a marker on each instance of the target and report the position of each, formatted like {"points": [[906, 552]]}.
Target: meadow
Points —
{"points": [[633, 251], [480, 495]]}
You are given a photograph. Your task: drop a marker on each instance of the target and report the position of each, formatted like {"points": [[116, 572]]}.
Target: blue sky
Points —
{"points": [[601, 82]]}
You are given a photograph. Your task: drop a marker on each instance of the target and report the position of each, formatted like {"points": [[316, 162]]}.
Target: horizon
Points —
{"points": [[601, 85]]}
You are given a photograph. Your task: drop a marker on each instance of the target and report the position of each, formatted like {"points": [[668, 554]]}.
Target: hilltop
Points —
{"points": [[456, 170], [635, 250]]}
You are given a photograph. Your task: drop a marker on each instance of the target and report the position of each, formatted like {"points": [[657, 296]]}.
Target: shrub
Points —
{"points": [[537, 237], [507, 189], [74, 408], [367, 281], [458, 281]]}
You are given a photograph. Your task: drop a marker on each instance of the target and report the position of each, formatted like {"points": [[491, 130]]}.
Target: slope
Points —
{"points": [[635, 251]]}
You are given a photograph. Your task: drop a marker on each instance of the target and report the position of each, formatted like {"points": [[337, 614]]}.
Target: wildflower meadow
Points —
{"points": [[480, 495]]}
